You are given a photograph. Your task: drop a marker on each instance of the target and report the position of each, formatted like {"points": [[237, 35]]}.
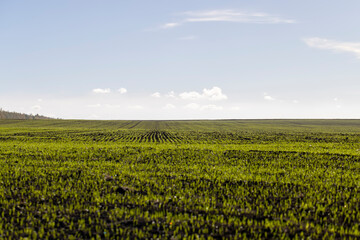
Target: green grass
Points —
{"points": [[255, 179]]}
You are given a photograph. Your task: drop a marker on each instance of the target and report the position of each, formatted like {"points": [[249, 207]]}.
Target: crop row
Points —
{"points": [[157, 136]]}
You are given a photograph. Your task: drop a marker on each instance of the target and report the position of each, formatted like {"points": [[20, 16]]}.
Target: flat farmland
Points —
{"points": [[213, 179]]}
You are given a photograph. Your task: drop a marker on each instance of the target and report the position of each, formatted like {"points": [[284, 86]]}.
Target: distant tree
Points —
{"points": [[14, 115]]}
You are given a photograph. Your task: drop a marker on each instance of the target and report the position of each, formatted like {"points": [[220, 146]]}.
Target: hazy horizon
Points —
{"points": [[180, 60]]}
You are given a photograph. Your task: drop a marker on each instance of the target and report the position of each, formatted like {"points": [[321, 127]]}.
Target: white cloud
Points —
{"points": [[227, 15], [122, 90], [337, 101], [136, 107], [188, 38], [94, 105], [101, 90], [36, 107], [268, 98], [190, 95], [170, 94], [169, 106], [295, 101], [322, 43], [112, 106], [156, 95], [230, 15], [235, 108], [192, 106], [171, 25], [40, 100], [195, 106], [211, 107], [214, 94]]}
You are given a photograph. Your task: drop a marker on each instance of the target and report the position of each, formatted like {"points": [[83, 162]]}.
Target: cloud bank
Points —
{"points": [[267, 97], [101, 90], [226, 15], [213, 94], [122, 90], [337, 46], [156, 95], [108, 90]]}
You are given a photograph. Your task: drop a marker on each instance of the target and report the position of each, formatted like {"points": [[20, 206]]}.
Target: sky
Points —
{"points": [[180, 59]]}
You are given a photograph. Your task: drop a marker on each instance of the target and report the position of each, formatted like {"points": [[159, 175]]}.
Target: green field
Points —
{"points": [[254, 179]]}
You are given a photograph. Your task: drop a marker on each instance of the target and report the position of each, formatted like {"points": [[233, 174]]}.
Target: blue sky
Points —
{"points": [[180, 59]]}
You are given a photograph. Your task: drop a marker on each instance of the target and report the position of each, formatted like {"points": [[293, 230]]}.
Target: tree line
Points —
{"points": [[14, 115]]}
